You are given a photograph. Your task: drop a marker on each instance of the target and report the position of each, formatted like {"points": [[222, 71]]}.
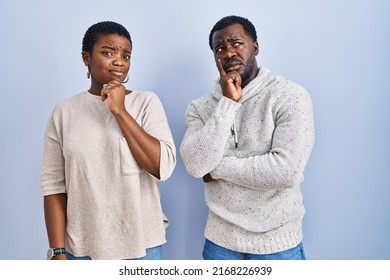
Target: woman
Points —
{"points": [[104, 151]]}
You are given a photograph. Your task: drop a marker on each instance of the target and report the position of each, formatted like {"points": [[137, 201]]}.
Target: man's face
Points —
{"points": [[237, 51]]}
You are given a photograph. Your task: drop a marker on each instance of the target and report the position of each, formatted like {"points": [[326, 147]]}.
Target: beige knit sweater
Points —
{"points": [[113, 209], [255, 203]]}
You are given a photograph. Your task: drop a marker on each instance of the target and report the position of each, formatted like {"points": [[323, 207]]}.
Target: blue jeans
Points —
{"points": [[154, 253], [212, 251]]}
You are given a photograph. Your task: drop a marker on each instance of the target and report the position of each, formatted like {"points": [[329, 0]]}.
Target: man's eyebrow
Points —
{"points": [[229, 40], [234, 39], [218, 43]]}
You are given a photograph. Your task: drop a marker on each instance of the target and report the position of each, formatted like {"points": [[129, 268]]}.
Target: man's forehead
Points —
{"points": [[231, 31]]}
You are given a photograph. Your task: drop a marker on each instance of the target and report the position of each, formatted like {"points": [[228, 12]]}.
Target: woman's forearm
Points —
{"points": [[55, 218]]}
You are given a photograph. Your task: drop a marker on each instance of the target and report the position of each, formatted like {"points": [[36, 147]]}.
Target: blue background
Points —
{"points": [[338, 50]]}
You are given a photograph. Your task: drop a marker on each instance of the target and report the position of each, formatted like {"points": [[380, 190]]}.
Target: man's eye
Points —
{"points": [[108, 53], [127, 57], [219, 49], [237, 44]]}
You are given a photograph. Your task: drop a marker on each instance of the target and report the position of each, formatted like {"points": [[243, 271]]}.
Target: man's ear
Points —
{"points": [[86, 58], [256, 48]]}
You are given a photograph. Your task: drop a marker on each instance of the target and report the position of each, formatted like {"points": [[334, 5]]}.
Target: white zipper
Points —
{"points": [[235, 136]]}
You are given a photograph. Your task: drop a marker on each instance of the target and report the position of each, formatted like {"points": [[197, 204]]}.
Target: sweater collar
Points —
{"points": [[251, 89]]}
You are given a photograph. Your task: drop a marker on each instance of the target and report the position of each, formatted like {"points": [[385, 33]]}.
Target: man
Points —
{"points": [[250, 139]]}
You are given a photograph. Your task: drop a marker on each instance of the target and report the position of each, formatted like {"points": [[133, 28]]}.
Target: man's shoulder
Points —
{"points": [[286, 87], [289, 93]]}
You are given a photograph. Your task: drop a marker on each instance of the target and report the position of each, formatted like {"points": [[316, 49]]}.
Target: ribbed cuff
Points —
{"points": [[238, 239], [227, 107]]}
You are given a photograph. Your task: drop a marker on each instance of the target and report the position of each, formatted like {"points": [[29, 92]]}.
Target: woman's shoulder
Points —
{"points": [[74, 102], [142, 96], [75, 99]]}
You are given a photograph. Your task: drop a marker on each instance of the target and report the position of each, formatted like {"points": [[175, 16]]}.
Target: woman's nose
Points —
{"points": [[118, 61]]}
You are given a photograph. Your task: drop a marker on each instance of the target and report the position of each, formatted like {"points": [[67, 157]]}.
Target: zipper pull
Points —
{"points": [[235, 136]]}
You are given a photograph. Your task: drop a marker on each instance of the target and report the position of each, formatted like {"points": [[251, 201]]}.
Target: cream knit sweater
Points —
{"points": [[255, 203], [113, 209]]}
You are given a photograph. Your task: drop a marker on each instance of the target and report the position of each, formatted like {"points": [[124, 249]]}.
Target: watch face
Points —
{"points": [[50, 254]]}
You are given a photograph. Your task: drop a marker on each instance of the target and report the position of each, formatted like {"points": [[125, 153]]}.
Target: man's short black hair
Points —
{"points": [[230, 20], [94, 32]]}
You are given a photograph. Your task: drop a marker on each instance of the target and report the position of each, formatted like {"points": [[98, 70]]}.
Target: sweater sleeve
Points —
{"points": [[204, 142], [53, 163], [283, 166], [156, 124]]}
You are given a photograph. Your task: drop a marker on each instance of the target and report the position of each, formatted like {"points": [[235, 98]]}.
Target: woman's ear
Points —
{"points": [[85, 56]]}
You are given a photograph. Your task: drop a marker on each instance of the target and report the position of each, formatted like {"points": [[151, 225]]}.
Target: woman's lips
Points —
{"points": [[117, 73]]}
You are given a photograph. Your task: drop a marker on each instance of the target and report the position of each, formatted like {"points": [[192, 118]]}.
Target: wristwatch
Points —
{"points": [[52, 252]]}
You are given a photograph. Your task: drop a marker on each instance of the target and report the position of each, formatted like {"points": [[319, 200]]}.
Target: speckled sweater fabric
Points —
{"points": [[255, 203], [113, 208]]}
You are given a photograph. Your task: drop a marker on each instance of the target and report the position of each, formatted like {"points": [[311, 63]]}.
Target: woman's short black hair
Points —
{"points": [[230, 20], [93, 33]]}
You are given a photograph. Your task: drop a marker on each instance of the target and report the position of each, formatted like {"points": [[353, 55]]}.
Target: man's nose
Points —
{"points": [[230, 52]]}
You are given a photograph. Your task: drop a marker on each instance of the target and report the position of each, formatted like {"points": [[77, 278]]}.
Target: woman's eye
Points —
{"points": [[127, 57]]}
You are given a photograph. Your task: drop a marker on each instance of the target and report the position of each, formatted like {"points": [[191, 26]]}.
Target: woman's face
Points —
{"points": [[109, 60]]}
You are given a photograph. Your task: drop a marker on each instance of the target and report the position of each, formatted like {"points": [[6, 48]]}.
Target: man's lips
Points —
{"points": [[232, 66]]}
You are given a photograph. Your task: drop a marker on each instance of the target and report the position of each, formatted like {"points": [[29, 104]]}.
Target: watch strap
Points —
{"points": [[52, 252], [58, 251]]}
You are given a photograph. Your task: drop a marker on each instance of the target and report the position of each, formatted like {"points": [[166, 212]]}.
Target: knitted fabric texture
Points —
{"points": [[255, 203]]}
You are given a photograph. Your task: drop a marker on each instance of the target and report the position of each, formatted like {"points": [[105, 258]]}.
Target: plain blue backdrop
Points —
{"points": [[338, 50]]}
